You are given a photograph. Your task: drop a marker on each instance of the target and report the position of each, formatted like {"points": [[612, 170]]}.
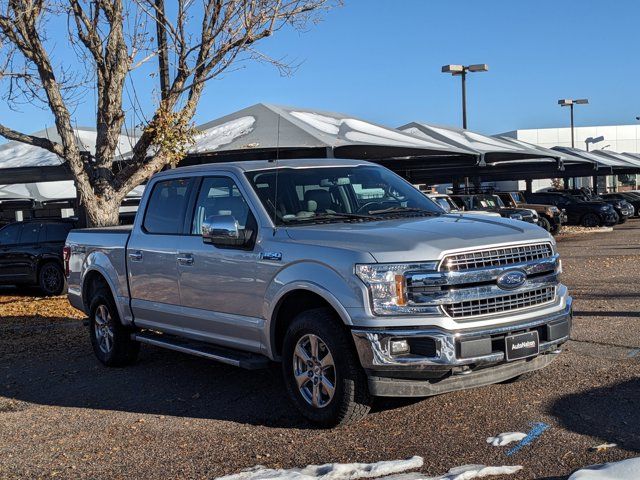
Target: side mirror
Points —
{"points": [[222, 230]]}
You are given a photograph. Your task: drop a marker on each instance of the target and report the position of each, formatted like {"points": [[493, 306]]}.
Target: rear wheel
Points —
{"points": [[51, 279], [111, 341], [321, 370], [590, 220]]}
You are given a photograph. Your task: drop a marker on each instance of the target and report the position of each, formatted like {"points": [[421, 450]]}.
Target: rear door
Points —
{"points": [[151, 255], [29, 251]]}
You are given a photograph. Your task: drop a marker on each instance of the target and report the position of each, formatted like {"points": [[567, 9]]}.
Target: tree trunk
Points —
{"points": [[100, 212]]}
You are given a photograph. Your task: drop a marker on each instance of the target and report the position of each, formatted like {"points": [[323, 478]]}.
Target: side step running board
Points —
{"points": [[250, 361]]}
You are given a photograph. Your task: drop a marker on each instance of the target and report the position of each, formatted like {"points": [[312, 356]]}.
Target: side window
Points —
{"points": [[220, 196], [57, 232], [9, 234], [166, 207], [30, 232]]}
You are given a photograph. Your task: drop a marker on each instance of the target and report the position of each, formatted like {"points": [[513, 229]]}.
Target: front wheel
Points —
{"points": [[321, 370], [111, 341], [590, 220], [544, 223]]}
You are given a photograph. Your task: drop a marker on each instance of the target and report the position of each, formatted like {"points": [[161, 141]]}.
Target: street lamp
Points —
{"points": [[461, 71], [567, 102], [592, 140]]}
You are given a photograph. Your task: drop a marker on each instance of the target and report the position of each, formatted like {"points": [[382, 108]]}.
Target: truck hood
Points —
{"points": [[418, 239]]}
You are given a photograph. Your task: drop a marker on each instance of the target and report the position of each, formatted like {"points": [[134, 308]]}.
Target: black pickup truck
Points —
{"points": [[579, 212], [31, 253]]}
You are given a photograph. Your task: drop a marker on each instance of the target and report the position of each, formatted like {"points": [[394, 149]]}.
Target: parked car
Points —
{"points": [[550, 217], [31, 253], [492, 203], [623, 209], [449, 206], [631, 198], [345, 273], [579, 212]]}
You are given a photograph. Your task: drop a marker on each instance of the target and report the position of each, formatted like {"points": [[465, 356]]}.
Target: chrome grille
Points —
{"points": [[496, 257], [500, 304]]}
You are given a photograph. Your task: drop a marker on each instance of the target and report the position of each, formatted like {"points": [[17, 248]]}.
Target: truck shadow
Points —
{"points": [[53, 364], [610, 413]]}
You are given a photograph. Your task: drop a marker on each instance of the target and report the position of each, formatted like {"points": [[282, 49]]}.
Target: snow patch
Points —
{"points": [[223, 134], [330, 471], [356, 130], [389, 470], [506, 438], [625, 470]]}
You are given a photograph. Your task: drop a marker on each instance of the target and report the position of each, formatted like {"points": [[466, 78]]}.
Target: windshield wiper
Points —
{"points": [[403, 210], [330, 216]]}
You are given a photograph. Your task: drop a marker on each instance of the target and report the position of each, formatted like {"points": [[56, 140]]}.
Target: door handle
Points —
{"points": [[185, 259], [135, 256]]}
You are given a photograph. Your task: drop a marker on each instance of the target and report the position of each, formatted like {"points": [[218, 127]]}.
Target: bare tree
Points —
{"points": [[195, 41]]}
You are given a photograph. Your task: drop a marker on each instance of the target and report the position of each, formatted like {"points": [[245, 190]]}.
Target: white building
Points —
{"points": [[617, 138]]}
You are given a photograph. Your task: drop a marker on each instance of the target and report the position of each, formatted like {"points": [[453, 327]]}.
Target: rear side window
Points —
{"points": [[30, 233], [57, 232], [166, 207], [9, 234]]}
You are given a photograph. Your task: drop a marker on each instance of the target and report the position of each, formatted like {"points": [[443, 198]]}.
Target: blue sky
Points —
{"points": [[380, 60]]}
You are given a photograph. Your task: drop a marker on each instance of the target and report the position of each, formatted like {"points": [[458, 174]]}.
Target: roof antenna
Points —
{"points": [[275, 190]]}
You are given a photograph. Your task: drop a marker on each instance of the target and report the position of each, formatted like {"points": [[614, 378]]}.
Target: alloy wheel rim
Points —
{"points": [[314, 371], [103, 329], [51, 279]]}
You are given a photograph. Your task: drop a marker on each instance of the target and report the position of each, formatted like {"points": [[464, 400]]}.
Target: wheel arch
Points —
{"points": [[91, 281], [294, 300]]}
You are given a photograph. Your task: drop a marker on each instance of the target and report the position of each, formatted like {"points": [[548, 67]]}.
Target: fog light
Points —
{"points": [[398, 347]]}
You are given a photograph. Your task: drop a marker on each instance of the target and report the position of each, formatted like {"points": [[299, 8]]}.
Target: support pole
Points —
{"points": [[528, 185], [594, 181], [565, 182]]}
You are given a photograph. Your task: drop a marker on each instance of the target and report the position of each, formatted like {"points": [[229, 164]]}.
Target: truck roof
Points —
{"points": [[251, 165]]}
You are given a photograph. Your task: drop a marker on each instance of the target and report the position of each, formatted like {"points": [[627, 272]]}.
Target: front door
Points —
{"points": [[218, 290], [151, 256]]}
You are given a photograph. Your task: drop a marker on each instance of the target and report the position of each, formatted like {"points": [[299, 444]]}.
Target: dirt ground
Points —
{"points": [[173, 416]]}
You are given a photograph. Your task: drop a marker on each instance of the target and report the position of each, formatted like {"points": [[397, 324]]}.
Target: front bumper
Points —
{"points": [[441, 360]]}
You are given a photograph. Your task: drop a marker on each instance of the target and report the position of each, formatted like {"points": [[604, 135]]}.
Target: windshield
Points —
{"points": [[489, 201], [443, 203], [307, 195]]}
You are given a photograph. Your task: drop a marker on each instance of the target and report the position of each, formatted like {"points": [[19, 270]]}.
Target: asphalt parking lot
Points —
{"points": [[173, 416]]}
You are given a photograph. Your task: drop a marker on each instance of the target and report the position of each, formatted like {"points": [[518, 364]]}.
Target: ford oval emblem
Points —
{"points": [[512, 279]]}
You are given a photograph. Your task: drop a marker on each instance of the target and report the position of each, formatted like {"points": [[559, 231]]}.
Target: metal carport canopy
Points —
{"points": [[264, 131], [606, 164], [25, 164]]}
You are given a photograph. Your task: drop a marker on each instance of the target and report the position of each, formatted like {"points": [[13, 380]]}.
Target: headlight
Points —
{"points": [[515, 216], [387, 285]]}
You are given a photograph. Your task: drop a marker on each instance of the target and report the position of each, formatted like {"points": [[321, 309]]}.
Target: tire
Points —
{"points": [[622, 220], [51, 279], [351, 400], [111, 341], [544, 223], [590, 220]]}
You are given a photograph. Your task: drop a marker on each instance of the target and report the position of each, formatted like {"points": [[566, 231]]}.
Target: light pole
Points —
{"points": [[567, 102], [592, 140], [461, 71]]}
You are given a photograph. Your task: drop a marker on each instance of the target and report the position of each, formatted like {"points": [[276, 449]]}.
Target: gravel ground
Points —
{"points": [[174, 416]]}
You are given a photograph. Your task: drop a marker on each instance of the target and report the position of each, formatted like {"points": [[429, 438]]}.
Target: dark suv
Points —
{"points": [[623, 208], [579, 212], [31, 253]]}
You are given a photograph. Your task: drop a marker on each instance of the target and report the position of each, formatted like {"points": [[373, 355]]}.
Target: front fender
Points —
{"points": [[340, 292]]}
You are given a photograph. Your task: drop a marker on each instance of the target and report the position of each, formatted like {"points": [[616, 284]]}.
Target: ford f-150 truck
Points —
{"points": [[340, 270]]}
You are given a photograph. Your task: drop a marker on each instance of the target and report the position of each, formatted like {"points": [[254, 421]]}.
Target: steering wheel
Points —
{"points": [[378, 206]]}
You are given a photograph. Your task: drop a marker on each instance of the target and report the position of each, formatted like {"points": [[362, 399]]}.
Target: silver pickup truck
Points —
{"points": [[340, 270]]}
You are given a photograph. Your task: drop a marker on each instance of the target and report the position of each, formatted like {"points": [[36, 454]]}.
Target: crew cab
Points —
{"points": [[579, 212], [340, 270], [31, 254], [550, 217]]}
